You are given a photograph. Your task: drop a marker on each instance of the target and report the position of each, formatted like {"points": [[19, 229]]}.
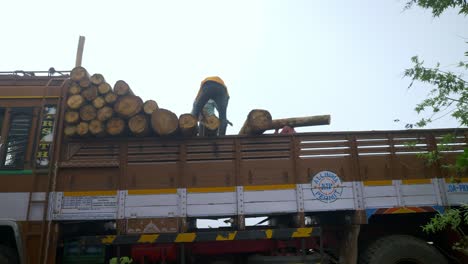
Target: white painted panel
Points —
{"points": [[340, 204], [270, 196], [417, 189], [419, 200], [36, 211], [212, 210], [347, 193], [38, 196], [14, 205], [270, 207], [151, 211], [376, 202], [457, 198], [379, 191], [343, 184], [151, 200], [211, 198]]}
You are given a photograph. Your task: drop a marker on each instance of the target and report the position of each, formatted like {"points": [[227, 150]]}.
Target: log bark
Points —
{"points": [[88, 113], [105, 113], [72, 117], [96, 128], [188, 125], [97, 79], [301, 121], [128, 106], [90, 93], [139, 125], [115, 126], [79, 73], [82, 129], [209, 126], [69, 130], [150, 106], [75, 101], [257, 122], [121, 88], [99, 102], [74, 89], [164, 122], [110, 98], [104, 88]]}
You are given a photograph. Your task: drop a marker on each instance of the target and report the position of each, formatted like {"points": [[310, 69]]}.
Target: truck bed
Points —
{"points": [[376, 171]]}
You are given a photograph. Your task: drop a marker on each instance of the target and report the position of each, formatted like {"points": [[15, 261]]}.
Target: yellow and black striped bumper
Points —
{"points": [[282, 234]]}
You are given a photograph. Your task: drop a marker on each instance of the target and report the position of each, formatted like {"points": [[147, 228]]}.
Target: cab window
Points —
{"points": [[15, 140]]}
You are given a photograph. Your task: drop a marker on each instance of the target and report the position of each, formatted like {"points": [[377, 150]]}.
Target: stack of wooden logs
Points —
{"points": [[95, 108]]}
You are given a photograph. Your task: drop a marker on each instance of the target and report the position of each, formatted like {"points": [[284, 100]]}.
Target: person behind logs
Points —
{"points": [[214, 92]]}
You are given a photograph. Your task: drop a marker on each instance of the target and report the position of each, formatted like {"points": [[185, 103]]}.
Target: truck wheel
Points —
{"points": [[401, 249], [7, 255]]}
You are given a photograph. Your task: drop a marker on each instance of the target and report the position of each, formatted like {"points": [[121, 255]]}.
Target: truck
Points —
{"points": [[309, 197]]}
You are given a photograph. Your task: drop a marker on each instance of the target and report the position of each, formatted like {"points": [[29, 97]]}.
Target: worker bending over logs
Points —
{"points": [[213, 88]]}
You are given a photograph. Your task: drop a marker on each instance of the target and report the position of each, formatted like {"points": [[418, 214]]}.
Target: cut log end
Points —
{"points": [[139, 125], [128, 106], [74, 89], [90, 93], [78, 73], [164, 122], [210, 126], [96, 128], [105, 113], [150, 106], [110, 98], [70, 131], [257, 122], [122, 88], [99, 102], [115, 126], [88, 113], [82, 129], [188, 124], [75, 101], [97, 79], [72, 117], [104, 88]]}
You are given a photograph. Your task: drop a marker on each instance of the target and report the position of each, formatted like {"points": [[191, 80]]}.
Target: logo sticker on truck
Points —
{"points": [[326, 187]]}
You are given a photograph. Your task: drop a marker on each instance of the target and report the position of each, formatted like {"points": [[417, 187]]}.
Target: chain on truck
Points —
{"points": [[324, 197]]}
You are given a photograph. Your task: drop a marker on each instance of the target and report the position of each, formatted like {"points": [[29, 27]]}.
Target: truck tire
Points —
{"points": [[7, 255], [401, 249]]}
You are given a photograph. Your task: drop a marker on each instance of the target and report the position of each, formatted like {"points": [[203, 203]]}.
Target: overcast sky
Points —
{"points": [[293, 58]]}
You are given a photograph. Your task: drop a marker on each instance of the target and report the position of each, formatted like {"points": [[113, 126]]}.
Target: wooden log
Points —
{"points": [[115, 126], [74, 89], [209, 126], [150, 106], [70, 130], [139, 125], [97, 79], [75, 101], [128, 106], [85, 83], [88, 113], [99, 102], [188, 125], [96, 128], [258, 120], [82, 129], [104, 113], [301, 121], [72, 117], [90, 93], [121, 88], [110, 98], [104, 88], [164, 122], [79, 73]]}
